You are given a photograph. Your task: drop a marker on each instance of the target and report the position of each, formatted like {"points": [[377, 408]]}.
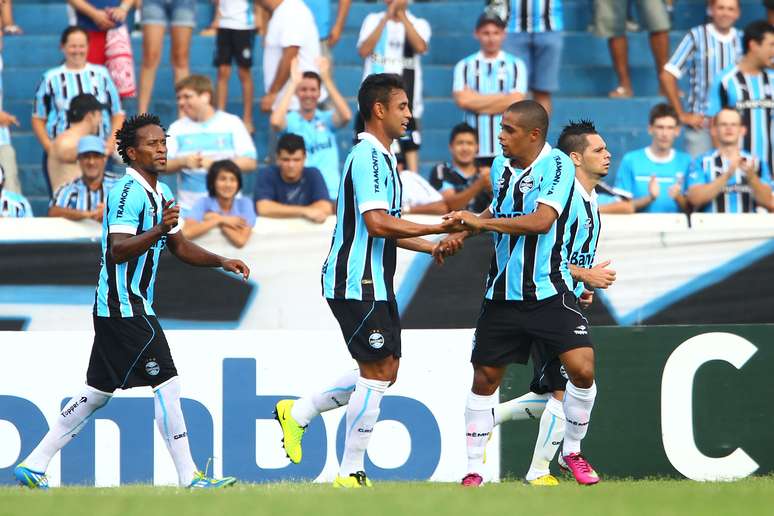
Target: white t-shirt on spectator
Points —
{"points": [[223, 136], [236, 14], [291, 25], [388, 54], [416, 190]]}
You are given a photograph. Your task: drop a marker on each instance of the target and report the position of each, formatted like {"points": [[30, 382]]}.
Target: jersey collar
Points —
{"points": [[137, 177], [370, 138], [588, 197], [543, 153], [655, 159], [482, 57]]}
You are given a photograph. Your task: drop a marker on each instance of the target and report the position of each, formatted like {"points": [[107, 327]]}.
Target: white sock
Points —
{"points": [[577, 411], [479, 422], [171, 425], [362, 413], [527, 406], [68, 423], [549, 437], [309, 407]]}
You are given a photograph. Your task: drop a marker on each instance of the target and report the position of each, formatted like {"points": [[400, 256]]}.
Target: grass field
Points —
{"points": [[752, 496]]}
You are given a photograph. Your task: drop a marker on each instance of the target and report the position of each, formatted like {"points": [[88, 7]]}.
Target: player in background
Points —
{"points": [[130, 349], [528, 295], [589, 153], [357, 278]]}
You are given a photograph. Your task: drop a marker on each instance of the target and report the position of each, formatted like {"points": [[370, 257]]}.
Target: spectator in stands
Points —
{"points": [[180, 15], [486, 83], [222, 208], [84, 117], [289, 189], [462, 183], [729, 180], [56, 90], [12, 204], [610, 23], [84, 198], [235, 42], [290, 34], [653, 177], [704, 52], [315, 125], [747, 87], [202, 136], [535, 35], [7, 152], [6, 13], [392, 41], [109, 41], [329, 36]]}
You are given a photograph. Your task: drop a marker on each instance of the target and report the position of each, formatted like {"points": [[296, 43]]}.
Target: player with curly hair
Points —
{"points": [[130, 349]]}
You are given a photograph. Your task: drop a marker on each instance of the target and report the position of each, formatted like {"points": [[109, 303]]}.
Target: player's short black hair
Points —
{"points": [[223, 165], [662, 110], [755, 31], [127, 136], [531, 115], [291, 143], [377, 88], [71, 30], [462, 128], [574, 136], [311, 74]]}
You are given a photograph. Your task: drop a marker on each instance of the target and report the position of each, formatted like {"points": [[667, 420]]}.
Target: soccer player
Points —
{"points": [[486, 83], [528, 298], [747, 87], [653, 176], [729, 180], [589, 154], [357, 279], [703, 53], [130, 349]]}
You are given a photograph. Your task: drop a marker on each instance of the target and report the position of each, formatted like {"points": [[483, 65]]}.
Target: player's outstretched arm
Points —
{"points": [[536, 223], [190, 253], [381, 224]]}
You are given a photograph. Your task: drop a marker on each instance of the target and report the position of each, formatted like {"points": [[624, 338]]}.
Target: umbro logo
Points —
{"points": [[581, 330]]}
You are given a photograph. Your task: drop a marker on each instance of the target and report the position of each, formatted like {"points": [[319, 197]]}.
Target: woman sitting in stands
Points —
{"points": [[235, 216]]}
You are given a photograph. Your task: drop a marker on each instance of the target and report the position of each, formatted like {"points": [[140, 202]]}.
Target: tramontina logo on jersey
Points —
{"points": [[376, 340], [526, 184], [152, 367]]}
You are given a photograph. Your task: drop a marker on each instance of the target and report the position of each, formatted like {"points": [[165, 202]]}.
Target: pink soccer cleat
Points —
{"points": [[472, 480], [581, 469]]}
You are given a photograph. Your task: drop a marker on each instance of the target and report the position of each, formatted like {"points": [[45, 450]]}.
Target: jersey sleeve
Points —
{"points": [[124, 207], [624, 177], [678, 63], [369, 180], [247, 211], [113, 98], [495, 173], [718, 97], [437, 176], [318, 189], [765, 173], [326, 117], [60, 197], [424, 30], [459, 83], [696, 174], [172, 147], [368, 26], [243, 142], [519, 77], [264, 186], [197, 212], [556, 182], [40, 105]]}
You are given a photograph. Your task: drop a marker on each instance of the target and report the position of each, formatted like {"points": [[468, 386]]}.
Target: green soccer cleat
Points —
{"points": [[292, 432], [353, 481], [28, 478], [201, 481]]}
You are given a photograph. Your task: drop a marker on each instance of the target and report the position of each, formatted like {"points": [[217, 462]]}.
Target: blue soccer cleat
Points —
{"points": [[28, 478], [201, 481]]}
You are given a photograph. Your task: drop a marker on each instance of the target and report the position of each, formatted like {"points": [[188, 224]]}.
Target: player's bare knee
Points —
{"points": [[582, 376], [485, 381]]}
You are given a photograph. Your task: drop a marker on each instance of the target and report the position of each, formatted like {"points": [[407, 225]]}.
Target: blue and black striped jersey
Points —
{"points": [[360, 266], [133, 207], [583, 235], [531, 267]]}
